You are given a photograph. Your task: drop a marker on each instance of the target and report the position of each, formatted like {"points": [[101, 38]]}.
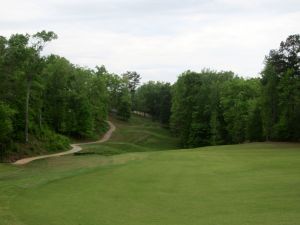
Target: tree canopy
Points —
{"points": [[45, 99]]}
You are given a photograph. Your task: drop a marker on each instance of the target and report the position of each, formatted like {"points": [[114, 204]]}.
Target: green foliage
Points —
{"points": [[206, 108], [211, 108], [197, 113], [48, 94], [6, 127], [154, 98], [132, 78], [281, 96], [53, 141], [237, 99], [254, 130], [120, 91], [124, 105], [75, 100]]}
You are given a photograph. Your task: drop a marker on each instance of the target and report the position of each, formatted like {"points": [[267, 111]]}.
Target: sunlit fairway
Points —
{"points": [[248, 184]]}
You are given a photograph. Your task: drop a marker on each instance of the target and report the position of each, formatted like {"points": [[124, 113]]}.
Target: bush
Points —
{"points": [[53, 141]]}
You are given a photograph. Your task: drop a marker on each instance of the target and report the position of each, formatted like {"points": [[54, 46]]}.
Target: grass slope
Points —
{"points": [[226, 185], [138, 135]]}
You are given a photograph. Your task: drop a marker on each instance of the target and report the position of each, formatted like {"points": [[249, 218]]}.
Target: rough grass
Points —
{"points": [[249, 184]]}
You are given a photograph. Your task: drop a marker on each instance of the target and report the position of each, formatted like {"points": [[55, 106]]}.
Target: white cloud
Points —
{"points": [[159, 39]]}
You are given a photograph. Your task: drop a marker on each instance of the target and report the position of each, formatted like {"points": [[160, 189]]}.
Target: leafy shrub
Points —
{"points": [[53, 141]]}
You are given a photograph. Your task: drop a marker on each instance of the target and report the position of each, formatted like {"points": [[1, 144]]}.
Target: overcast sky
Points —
{"points": [[158, 38]]}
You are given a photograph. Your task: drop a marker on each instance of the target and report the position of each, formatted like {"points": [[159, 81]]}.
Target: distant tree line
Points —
{"points": [[154, 98], [211, 108], [44, 99]]}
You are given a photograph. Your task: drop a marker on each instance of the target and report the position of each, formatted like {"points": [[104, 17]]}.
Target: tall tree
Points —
{"points": [[281, 86], [25, 50], [154, 98], [6, 127], [133, 80], [124, 104]]}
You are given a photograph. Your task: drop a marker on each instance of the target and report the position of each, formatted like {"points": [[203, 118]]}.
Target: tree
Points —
{"points": [[34, 66], [281, 82], [133, 80], [6, 126], [154, 98], [99, 100], [196, 114], [76, 99], [124, 105], [57, 79], [114, 85], [237, 98], [24, 51], [55, 96]]}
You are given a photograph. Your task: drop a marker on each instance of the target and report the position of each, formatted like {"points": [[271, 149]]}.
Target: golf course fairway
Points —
{"points": [[247, 184]]}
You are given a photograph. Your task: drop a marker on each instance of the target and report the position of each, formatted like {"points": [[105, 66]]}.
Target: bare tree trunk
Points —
{"points": [[27, 108]]}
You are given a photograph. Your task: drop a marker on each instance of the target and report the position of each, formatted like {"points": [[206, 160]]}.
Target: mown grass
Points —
{"points": [[249, 184], [138, 135]]}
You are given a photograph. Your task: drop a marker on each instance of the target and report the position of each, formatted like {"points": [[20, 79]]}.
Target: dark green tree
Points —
{"points": [[281, 82], [124, 105], [132, 78]]}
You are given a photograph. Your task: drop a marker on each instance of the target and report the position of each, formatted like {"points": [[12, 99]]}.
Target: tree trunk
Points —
{"points": [[1, 152], [40, 119], [29, 81]]}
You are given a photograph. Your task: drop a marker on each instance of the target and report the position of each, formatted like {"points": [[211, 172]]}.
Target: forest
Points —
{"points": [[46, 101], [214, 108]]}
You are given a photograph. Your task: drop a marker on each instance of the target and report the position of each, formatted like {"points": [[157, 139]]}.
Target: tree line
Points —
{"points": [[211, 108], [44, 99]]}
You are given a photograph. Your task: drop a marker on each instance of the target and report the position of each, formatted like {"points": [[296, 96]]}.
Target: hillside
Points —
{"points": [[138, 135]]}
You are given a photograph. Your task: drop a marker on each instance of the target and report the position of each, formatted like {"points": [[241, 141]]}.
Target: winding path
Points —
{"points": [[75, 147]]}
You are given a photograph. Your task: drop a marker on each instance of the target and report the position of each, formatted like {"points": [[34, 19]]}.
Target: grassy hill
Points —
{"points": [[138, 135], [245, 184]]}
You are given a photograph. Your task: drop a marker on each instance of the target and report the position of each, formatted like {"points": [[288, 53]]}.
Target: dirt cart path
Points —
{"points": [[75, 147]]}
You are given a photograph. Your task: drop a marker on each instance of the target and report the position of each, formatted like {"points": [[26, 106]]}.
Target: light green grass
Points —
{"points": [[250, 184]]}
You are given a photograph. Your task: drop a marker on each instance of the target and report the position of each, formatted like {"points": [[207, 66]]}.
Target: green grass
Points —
{"points": [[137, 135], [249, 184]]}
